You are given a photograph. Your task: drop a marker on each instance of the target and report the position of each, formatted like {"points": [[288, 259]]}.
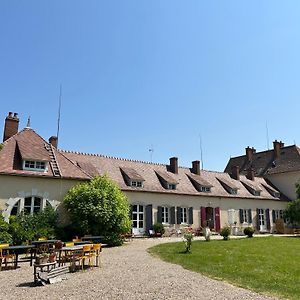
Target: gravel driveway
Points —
{"points": [[128, 272]]}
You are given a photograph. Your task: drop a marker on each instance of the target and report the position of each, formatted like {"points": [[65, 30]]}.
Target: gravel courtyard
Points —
{"points": [[128, 272]]}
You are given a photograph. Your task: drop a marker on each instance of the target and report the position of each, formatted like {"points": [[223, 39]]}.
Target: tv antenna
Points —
{"points": [[59, 108], [151, 150], [201, 151], [267, 132]]}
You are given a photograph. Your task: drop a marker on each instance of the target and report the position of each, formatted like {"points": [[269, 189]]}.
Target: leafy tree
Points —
{"points": [[5, 237], [292, 212], [99, 207]]}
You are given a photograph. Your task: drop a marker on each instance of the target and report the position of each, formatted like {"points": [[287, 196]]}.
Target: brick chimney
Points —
{"points": [[277, 146], [235, 172], [250, 174], [53, 141], [11, 125], [174, 165], [196, 167], [250, 152]]}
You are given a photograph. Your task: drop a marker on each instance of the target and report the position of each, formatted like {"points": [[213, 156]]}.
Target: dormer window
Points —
{"points": [[32, 165], [136, 183], [233, 191], [205, 189], [171, 186]]}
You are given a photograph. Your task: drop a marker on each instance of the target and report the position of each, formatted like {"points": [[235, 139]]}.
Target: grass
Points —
{"points": [[268, 265]]}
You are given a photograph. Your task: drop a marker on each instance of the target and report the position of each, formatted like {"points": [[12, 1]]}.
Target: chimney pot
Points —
{"points": [[53, 141], [250, 174], [196, 167], [11, 125], [276, 147], [174, 165], [235, 172], [250, 152]]}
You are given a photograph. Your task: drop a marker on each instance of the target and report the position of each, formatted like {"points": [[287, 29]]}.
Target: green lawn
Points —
{"points": [[268, 265]]}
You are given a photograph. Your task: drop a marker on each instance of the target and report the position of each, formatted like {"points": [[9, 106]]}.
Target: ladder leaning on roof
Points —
{"points": [[53, 162]]}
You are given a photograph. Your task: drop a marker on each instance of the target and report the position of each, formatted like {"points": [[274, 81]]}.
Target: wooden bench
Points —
{"points": [[52, 276]]}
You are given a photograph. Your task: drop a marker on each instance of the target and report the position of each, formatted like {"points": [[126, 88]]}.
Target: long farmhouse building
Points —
{"points": [[34, 174]]}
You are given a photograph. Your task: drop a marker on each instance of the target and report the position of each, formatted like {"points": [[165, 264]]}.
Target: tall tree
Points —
{"points": [[99, 207]]}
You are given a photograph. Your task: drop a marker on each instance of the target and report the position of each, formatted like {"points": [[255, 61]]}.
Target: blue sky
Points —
{"points": [[160, 73]]}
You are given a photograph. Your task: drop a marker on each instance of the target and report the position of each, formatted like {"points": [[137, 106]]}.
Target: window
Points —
{"points": [[233, 191], [245, 216], [205, 189], [278, 214], [137, 183], [165, 215], [183, 215], [256, 193], [30, 205], [171, 186], [32, 165], [138, 216]]}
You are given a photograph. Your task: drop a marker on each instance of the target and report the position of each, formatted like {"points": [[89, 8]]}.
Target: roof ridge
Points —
{"points": [[112, 157]]}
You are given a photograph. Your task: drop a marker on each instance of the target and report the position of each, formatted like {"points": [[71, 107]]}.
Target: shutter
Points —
{"points": [[191, 215], [149, 221], [159, 214], [241, 216], [257, 219], [178, 215], [250, 215], [203, 216], [130, 211], [268, 219], [273, 216], [217, 219], [172, 215]]}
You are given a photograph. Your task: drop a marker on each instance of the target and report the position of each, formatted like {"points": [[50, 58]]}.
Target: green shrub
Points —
{"points": [[159, 228], [24, 227], [225, 232], [249, 231], [5, 236], [99, 207], [188, 238]]}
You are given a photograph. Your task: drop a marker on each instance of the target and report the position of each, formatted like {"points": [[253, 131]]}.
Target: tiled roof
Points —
{"points": [[132, 174], [112, 167], [27, 144], [264, 163], [75, 165]]}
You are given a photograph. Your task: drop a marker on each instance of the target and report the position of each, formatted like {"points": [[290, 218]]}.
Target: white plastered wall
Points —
{"points": [[286, 183], [196, 202], [15, 188]]}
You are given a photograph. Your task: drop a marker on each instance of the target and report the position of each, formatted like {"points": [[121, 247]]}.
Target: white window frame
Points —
{"points": [[140, 216], [171, 186], [246, 215], [20, 204], [233, 191], [165, 214], [184, 215], [205, 189], [35, 165], [136, 183], [278, 214]]}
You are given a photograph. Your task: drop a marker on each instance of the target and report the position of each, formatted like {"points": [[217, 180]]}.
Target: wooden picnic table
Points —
{"points": [[19, 249]]}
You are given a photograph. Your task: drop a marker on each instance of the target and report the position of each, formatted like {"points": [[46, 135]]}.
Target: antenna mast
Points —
{"points": [[267, 132], [201, 151], [59, 107], [151, 150]]}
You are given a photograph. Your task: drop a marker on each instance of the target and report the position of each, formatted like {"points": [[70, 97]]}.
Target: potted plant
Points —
{"points": [[225, 232], [249, 231], [158, 229], [42, 258]]}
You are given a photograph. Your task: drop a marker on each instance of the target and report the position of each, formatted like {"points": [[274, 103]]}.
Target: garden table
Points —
{"points": [[19, 249]]}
